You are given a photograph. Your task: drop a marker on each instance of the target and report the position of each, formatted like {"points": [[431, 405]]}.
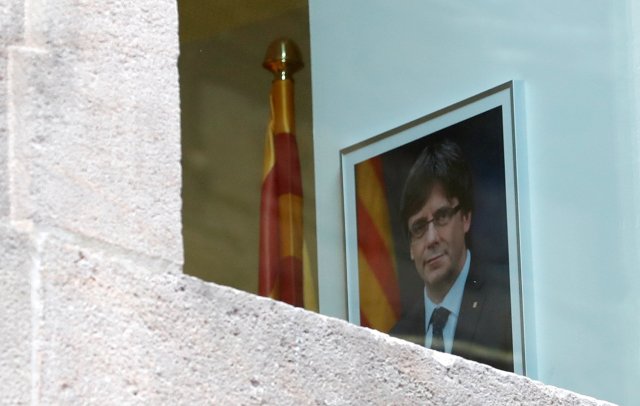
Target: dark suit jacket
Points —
{"points": [[483, 332]]}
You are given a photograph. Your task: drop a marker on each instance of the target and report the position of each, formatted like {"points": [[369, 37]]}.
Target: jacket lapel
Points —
{"points": [[470, 311]]}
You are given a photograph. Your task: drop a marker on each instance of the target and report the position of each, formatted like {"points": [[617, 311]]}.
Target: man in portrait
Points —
{"points": [[464, 308]]}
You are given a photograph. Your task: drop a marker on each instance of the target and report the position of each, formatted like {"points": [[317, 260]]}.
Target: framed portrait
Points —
{"points": [[431, 218]]}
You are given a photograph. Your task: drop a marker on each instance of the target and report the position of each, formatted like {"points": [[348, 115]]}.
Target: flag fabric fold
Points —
{"points": [[379, 291]]}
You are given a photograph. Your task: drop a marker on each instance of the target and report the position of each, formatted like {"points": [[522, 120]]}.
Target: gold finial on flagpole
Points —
{"points": [[283, 59]]}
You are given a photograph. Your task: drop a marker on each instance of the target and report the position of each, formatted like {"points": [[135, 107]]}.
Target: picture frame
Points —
{"points": [[486, 129]]}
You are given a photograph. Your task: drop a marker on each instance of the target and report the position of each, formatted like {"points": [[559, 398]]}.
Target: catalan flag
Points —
{"points": [[284, 266], [379, 292]]}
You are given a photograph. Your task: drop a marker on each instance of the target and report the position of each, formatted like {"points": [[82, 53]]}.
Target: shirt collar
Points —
{"points": [[453, 299]]}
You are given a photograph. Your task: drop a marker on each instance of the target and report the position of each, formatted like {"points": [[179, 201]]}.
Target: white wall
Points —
{"points": [[378, 64]]}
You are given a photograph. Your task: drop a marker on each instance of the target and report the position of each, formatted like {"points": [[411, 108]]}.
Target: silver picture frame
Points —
{"points": [[489, 128]]}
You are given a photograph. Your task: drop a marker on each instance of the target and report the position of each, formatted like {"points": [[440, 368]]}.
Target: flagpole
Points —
{"points": [[284, 266]]}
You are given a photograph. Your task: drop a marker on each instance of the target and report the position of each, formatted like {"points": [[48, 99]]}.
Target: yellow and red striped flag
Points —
{"points": [[379, 292], [284, 267]]}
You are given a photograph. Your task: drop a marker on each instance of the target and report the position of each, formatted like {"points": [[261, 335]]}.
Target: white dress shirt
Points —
{"points": [[452, 302]]}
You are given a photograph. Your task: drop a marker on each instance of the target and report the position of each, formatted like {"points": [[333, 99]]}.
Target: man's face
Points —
{"points": [[439, 254]]}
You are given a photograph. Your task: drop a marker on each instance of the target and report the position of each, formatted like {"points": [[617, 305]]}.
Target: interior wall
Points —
{"points": [[224, 93], [377, 65]]}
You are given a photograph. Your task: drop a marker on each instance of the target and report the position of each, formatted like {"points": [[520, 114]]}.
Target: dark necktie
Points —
{"points": [[438, 320]]}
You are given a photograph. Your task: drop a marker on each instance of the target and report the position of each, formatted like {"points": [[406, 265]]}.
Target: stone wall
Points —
{"points": [[90, 151], [15, 261], [94, 307]]}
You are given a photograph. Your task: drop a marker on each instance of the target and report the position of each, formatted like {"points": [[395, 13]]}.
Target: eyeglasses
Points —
{"points": [[441, 218]]}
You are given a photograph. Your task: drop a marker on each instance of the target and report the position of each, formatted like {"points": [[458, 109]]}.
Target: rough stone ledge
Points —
{"points": [[115, 331]]}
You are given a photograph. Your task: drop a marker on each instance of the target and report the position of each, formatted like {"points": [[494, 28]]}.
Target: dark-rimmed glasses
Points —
{"points": [[441, 218]]}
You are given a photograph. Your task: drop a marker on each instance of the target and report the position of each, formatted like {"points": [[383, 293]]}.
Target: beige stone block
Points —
{"points": [[103, 312], [15, 316], [97, 144], [4, 136], [126, 30], [11, 26], [11, 23]]}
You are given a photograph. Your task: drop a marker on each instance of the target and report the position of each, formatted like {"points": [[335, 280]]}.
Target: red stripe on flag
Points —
{"points": [[287, 164], [291, 281], [378, 256], [269, 237]]}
